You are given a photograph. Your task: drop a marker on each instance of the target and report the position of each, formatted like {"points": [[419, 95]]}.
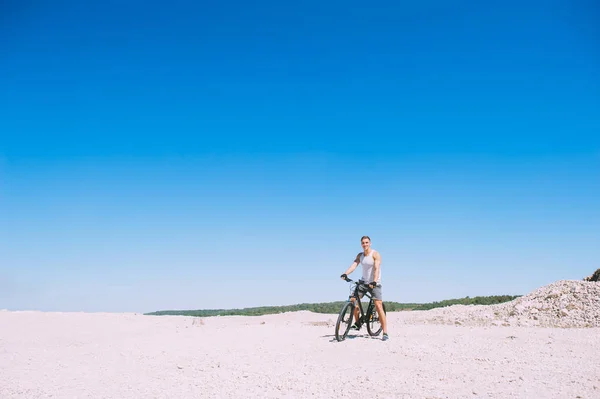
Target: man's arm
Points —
{"points": [[353, 266], [376, 266]]}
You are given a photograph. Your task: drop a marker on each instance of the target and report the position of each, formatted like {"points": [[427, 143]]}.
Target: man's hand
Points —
{"points": [[344, 276], [373, 284]]}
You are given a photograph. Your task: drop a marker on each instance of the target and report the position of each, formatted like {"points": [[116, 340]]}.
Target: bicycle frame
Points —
{"points": [[368, 293]]}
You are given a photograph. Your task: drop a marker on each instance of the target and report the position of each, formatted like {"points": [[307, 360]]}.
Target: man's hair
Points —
{"points": [[367, 237]]}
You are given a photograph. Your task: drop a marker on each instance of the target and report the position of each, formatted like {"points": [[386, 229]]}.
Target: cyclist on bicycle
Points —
{"points": [[370, 260]]}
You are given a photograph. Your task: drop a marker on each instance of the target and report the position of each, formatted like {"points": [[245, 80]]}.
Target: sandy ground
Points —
{"points": [[293, 355]]}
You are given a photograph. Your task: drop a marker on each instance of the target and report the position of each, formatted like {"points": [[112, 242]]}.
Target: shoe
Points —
{"points": [[385, 337], [356, 326]]}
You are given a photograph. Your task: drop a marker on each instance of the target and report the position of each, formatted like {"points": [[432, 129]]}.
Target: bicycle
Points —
{"points": [[371, 318]]}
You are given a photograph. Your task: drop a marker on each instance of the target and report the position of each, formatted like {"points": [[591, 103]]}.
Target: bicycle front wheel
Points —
{"points": [[344, 321], [373, 323]]}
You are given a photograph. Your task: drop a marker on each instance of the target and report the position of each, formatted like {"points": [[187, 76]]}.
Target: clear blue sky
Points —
{"points": [[191, 155]]}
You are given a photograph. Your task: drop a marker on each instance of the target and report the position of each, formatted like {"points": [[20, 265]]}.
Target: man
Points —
{"points": [[370, 260]]}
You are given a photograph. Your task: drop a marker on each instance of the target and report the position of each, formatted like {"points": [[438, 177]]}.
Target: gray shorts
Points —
{"points": [[376, 292]]}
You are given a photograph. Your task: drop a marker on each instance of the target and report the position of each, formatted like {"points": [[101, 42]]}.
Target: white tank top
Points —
{"points": [[368, 263]]}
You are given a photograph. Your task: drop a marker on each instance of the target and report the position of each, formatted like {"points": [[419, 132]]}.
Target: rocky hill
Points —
{"points": [[565, 303]]}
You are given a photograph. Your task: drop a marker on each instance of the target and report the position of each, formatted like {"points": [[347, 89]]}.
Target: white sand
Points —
{"points": [[80, 355]]}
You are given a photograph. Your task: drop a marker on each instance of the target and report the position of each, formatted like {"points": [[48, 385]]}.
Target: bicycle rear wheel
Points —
{"points": [[344, 321], [373, 323]]}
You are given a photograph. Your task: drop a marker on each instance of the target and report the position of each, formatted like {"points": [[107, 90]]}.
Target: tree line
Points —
{"points": [[334, 307]]}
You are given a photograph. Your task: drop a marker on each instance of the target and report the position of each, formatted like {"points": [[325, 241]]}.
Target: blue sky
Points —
{"points": [[223, 154]]}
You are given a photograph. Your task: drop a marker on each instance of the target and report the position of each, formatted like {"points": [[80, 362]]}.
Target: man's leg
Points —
{"points": [[381, 313], [356, 312]]}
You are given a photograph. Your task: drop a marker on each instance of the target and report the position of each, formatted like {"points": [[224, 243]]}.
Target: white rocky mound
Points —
{"points": [[565, 303]]}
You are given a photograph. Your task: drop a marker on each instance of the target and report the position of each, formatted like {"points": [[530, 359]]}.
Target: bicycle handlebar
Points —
{"points": [[358, 282]]}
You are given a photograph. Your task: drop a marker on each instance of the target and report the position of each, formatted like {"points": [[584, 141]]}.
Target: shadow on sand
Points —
{"points": [[350, 336]]}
